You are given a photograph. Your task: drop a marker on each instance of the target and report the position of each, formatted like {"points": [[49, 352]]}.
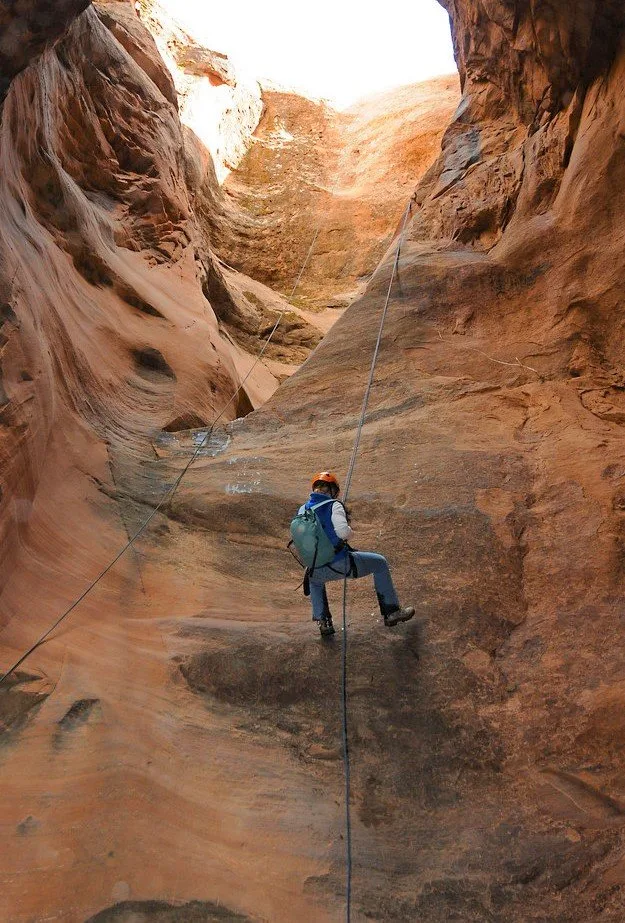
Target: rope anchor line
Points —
{"points": [[166, 496], [171, 490], [352, 463], [348, 480]]}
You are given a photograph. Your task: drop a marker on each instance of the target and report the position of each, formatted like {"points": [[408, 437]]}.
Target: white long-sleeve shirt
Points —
{"points": [[339, 521]]}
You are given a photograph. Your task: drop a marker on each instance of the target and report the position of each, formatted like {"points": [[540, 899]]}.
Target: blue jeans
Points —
{"points": [[366, 563]]}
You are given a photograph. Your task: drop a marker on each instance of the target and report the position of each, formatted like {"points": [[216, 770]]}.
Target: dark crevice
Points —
{"points": [[151, 363], [185, 421], [156, 911], [129, 295], [78, 714], [16, 703]]}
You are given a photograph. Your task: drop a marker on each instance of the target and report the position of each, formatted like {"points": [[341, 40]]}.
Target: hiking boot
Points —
{"points": [[326, 627], [398, 615]]}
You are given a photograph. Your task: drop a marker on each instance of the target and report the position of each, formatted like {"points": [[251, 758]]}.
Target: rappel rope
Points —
{"points": [[172, 489], [166, 496], [350, 471], [306, 258]]}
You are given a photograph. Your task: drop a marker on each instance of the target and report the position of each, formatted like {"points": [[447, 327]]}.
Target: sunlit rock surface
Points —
{"points": [[175, 748], [106, 326], [221, 109], [328, 188]]}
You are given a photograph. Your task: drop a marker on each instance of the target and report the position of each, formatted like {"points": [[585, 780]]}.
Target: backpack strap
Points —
{"points": [[311, 569], [290, 549], [323, 503]]}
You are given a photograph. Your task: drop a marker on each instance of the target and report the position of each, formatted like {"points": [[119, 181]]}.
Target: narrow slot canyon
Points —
{"points": [[172, 752]]}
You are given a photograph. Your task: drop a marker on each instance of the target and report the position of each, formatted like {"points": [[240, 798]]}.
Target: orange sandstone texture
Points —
{"points": [[336, 180], [119, 331], [107, 338], [106, 326], [173, 752]]}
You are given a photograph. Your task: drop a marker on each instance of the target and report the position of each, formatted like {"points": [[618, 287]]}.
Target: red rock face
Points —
{"points": [[95, 214], [335, 180], [179, 740], [26, 28], [529, 58], [106, 327]]}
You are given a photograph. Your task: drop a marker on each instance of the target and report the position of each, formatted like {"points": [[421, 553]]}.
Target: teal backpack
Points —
{"points": [[310, 540]]}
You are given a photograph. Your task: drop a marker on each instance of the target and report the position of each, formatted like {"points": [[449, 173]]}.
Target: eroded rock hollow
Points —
{"points": [[173, 750]]}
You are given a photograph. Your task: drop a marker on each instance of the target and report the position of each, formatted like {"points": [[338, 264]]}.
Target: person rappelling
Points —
{"points": [[320, 533]]}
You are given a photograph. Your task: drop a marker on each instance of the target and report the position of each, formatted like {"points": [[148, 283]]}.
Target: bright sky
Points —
{"points": [[340, 50]]}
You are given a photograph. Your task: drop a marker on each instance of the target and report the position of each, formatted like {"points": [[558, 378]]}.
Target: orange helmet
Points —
{"points": [[325, 477]]}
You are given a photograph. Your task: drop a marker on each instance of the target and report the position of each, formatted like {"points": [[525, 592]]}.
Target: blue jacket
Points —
{"points": [[325, 517]]}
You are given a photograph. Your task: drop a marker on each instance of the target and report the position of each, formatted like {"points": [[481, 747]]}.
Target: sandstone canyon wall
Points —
{"points": [[173, 753], [27, 29], [337, 180], [221, 109], [105, 268]]}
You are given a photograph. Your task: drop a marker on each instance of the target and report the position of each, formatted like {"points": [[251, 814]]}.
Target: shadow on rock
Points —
{"points": [[408, 737], [163, 912]]}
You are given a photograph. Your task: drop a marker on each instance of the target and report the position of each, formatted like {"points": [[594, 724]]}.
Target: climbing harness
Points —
{"points": [[350, 471], [313, 546]]}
